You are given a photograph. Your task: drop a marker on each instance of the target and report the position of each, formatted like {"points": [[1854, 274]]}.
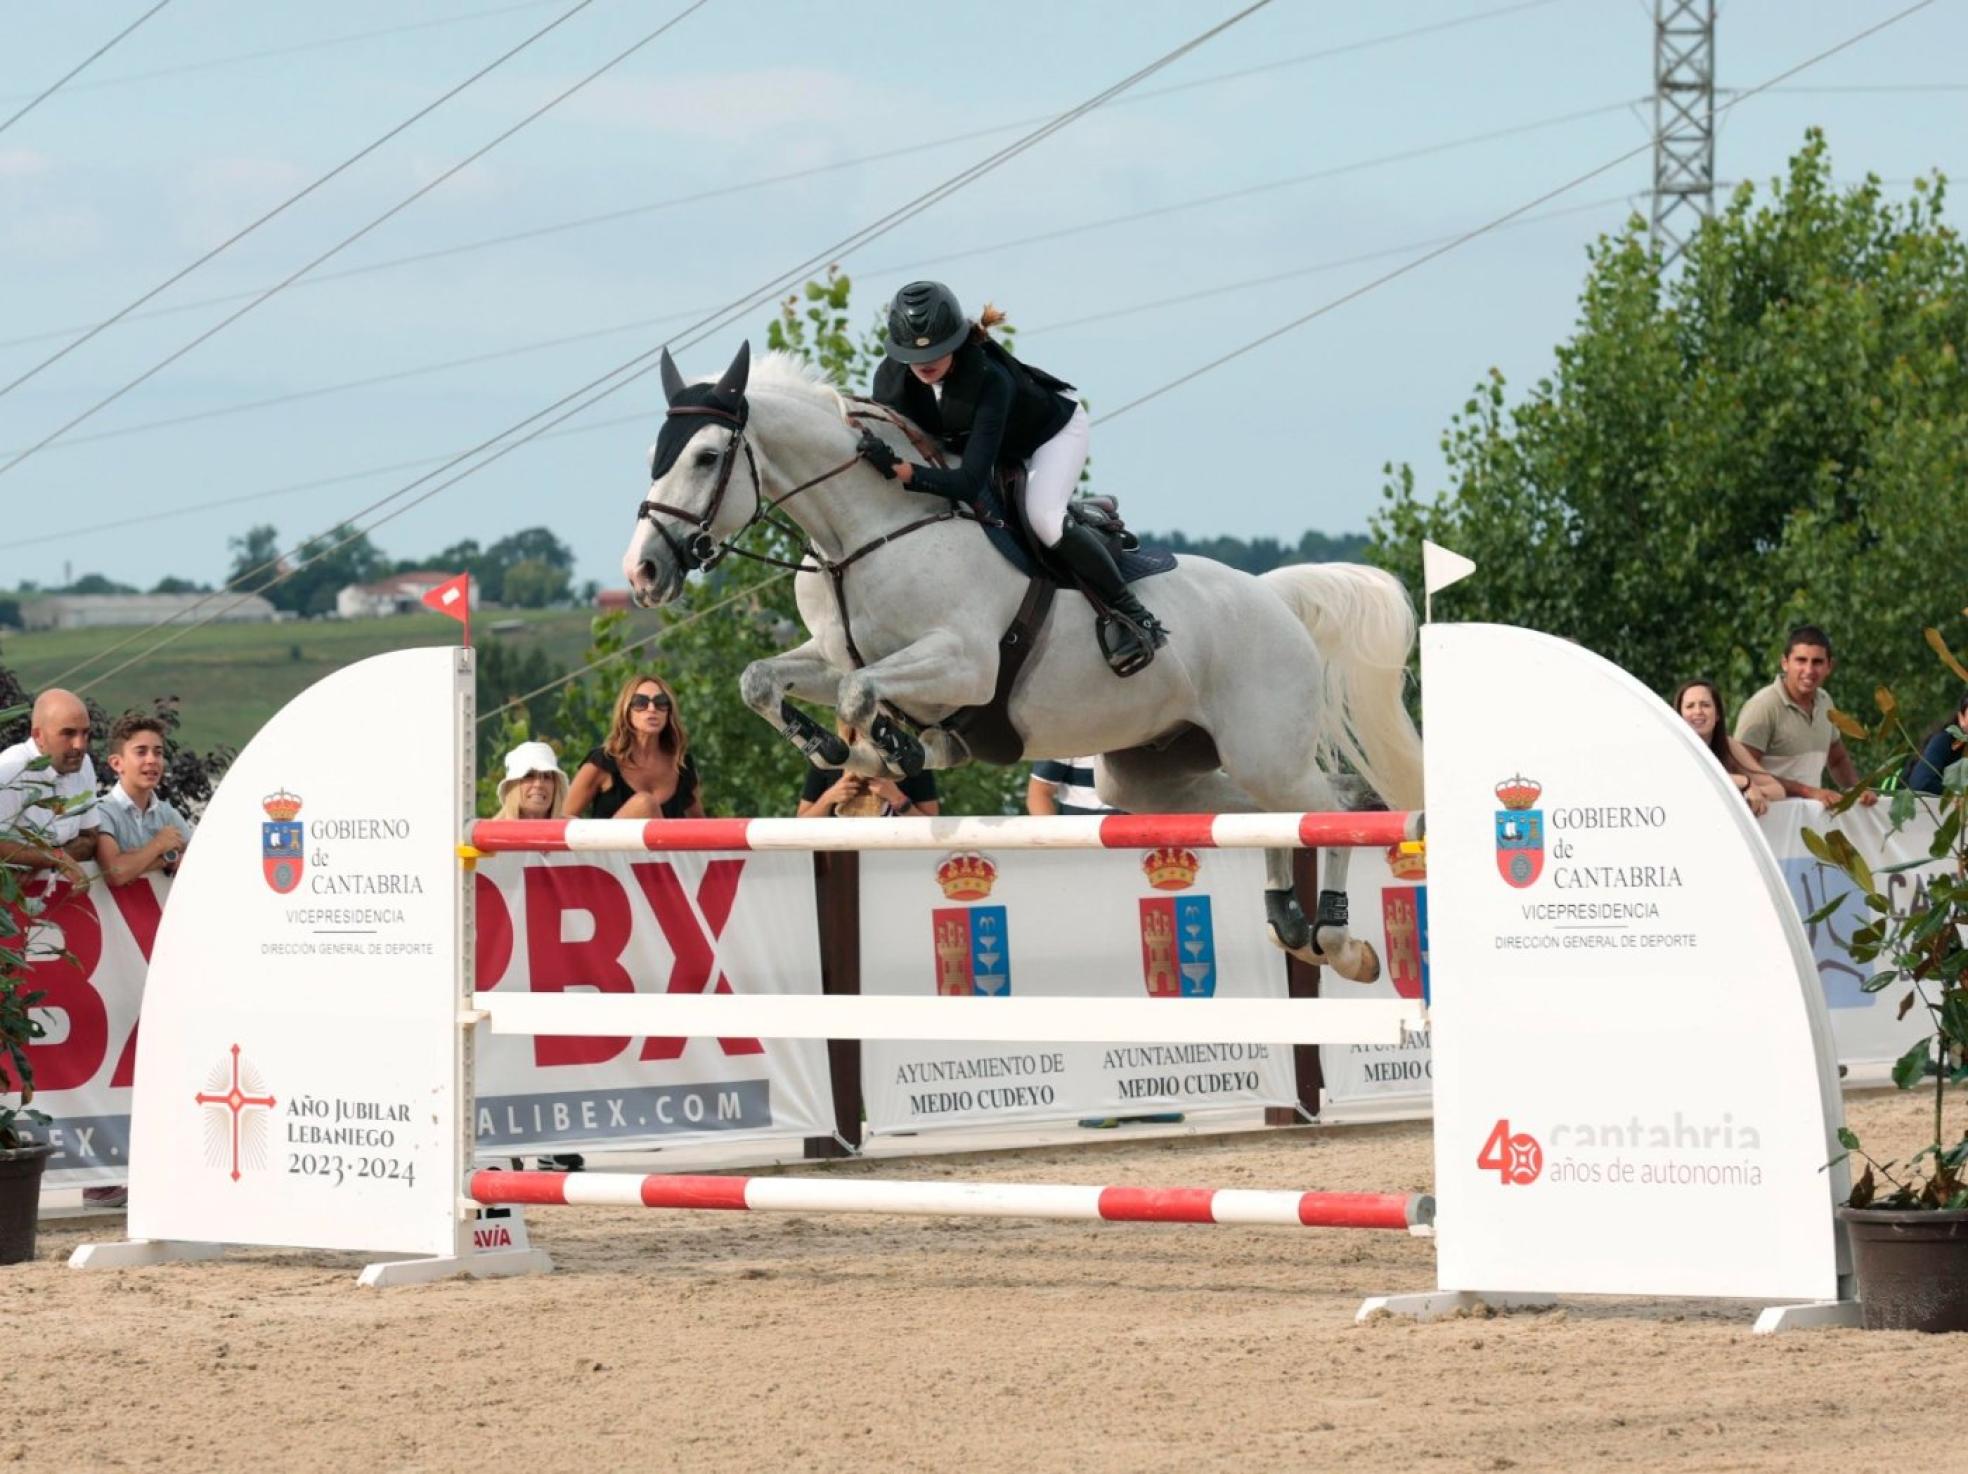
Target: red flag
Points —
{"points": [[453, 597]]}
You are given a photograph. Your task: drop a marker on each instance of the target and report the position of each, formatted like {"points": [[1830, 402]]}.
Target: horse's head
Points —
{"points": [[696, 504]]}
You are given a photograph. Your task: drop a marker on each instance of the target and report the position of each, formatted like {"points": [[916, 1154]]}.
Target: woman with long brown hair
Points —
{"points": [[1699, 704], [642, 770]]}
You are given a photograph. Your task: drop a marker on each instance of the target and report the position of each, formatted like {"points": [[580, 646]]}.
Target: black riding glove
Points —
{"points": [[876, 452]]}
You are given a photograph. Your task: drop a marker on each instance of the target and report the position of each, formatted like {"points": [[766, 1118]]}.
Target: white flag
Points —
{"points": [[1440, 567]]}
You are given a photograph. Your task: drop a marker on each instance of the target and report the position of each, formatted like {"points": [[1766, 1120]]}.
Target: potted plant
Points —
{"points": [[1908, 1221], [21, 1160]]}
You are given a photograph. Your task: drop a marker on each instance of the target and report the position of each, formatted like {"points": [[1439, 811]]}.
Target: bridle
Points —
{"points": [[703, 550]]}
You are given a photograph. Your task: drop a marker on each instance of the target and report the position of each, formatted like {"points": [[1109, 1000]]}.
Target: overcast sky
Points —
{"points": [[172, 141]]}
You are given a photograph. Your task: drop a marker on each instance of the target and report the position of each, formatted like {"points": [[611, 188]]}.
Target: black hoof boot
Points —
{"points": [[903, 753], [1289, 928], [812, 739], [1332, 912]]}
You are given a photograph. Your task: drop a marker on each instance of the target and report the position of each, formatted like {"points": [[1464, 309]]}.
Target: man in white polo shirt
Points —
{"points": [[48, 813]]}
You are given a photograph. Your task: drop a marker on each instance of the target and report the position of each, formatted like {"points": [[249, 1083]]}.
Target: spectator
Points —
{"points": [[140, 831], [1699, 704], [534, 786], [1939, 750], [52, 808], [1063, 788], [833, 793], [642, 769], [1787, 727]]}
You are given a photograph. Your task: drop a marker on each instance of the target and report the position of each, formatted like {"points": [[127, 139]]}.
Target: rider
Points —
{"points": [[948, 375]]}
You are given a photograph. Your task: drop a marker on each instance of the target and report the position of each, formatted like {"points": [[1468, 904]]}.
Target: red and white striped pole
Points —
{"points": [[1414, 1212], [1366, 829]]}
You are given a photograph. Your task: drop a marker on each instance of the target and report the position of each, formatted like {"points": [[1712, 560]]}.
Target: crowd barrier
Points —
{"points": [[308, 1067]]}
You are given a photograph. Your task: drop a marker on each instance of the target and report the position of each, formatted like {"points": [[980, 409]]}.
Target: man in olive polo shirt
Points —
{"points": [[1787, 725]]}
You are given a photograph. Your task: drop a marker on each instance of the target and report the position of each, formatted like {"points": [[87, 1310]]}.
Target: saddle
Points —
{"points": [[986, 730], [1015, 543]]}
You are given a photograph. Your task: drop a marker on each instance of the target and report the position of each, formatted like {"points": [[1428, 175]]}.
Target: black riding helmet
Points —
{"points": [[925, 321]]}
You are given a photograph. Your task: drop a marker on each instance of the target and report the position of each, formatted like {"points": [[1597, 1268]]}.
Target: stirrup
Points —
{"points": [[1129, 648]]}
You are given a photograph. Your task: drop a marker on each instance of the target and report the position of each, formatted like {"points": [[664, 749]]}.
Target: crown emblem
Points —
{"points": [[1518, 792], [922, 342], [281, 806], [1405, 866], [1171, 868], [966, 876]]}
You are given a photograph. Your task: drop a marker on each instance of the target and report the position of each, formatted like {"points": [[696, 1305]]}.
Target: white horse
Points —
{"points": [[1265, 685]]}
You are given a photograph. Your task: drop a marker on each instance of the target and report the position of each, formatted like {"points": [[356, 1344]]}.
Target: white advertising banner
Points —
{"points": [[1185, 925], [604, 921], [1387, 898], [1380, 1082], [88, 952], [686, 923], [1635, 1089], [1868, 1028], [262, 1115]]}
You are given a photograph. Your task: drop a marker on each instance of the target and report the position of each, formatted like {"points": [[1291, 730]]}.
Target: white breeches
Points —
{"points": [[1052, 474]]}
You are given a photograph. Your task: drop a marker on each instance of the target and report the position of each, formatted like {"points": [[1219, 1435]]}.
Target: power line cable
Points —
{"points": [[55, 86], [634, 368], [1272, 278], [71, 534], [1107, 222], [321, 43], [766, 181], [120, 524], [1246, 191], [350, 239], [1470, 235], [290, 201], [655, 638]]}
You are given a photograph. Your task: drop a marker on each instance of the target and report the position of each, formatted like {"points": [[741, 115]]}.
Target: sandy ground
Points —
{"points": [[713, 1341]]}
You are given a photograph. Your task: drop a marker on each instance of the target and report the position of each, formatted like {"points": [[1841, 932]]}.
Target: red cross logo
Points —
{"points": [[234, 1100]]}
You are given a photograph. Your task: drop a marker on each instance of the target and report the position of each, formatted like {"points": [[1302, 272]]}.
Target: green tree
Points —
{"points": [[308, 582], [96, 583], [531, 545], [1778, 433], [533, 584], [172, 584]]}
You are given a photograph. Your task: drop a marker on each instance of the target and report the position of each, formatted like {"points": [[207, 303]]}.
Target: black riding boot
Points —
{"points": [[1084, 551]]}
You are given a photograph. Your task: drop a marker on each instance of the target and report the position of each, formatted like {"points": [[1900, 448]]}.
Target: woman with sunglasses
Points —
{"points": [[643, 769]]}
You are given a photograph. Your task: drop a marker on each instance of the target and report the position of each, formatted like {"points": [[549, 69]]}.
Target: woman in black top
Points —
{"points": [[955, 381], [642, 770]]}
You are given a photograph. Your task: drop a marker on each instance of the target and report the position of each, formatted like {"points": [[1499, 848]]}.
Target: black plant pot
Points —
{"points": [[1912, 1267], [20, 1200]]}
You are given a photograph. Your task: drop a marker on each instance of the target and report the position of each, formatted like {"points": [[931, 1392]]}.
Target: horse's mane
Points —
{"points": [[784, 374]]}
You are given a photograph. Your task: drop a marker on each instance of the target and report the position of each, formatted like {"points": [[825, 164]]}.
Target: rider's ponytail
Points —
{"points": [[989, 318]]}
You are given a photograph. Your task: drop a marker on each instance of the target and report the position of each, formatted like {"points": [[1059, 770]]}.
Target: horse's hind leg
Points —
{"points": [[1275, 763], [1148, 782]]}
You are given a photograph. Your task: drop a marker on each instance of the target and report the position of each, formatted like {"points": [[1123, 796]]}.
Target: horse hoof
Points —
{"points": [[1357, 961]]}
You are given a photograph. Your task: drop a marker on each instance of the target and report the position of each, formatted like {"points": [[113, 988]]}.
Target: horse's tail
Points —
{"points": [[1364, 625]]}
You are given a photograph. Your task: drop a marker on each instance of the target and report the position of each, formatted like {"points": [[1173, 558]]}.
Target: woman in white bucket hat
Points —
{"points": [[534, 786]]}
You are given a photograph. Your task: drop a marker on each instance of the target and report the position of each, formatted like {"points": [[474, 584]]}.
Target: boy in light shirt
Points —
{"points": [[140, 832]]}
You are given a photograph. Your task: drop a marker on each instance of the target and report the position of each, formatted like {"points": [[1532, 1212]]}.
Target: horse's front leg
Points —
{"points": [[802, 672], [940, 671]]}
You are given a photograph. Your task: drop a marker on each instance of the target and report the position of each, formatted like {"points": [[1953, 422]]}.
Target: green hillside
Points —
{"points": [[230, 678]]}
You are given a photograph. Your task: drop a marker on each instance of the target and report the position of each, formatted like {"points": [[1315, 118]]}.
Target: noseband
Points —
{"points": [[702, 549]]}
